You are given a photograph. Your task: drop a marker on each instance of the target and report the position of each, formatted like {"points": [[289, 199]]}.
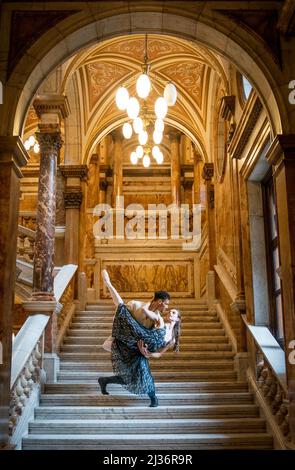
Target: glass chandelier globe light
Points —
{"points": [[27, 145], [143, 137], [127, 130], [143, 85], [146, 161], [133, 108], [155, 151], [133, 158], [137, 125], [161, 107], [157, 137], [170, 94], [159, 125], [160, 158], [36, 148], [32, 140], [122, 98], [139, 151]]}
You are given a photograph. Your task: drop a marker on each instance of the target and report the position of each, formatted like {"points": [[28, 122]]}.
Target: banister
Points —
{"points": [[27, 232], [271, 350], [62, 279], [34, 326]]}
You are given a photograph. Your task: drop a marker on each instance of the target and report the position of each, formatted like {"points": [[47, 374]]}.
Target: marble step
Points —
{"points": [[144, 412], [167, 357], [148, 441], [185, 349], [160, 376], [173, 387], [202, 341], [109, 319], [124, 398], [168, 365], [176, 301], [188, 334], [136, 426], [185, 328], [184, 311]]}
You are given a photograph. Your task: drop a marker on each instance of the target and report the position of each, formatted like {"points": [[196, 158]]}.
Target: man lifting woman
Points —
{"points": [[139, 332]]}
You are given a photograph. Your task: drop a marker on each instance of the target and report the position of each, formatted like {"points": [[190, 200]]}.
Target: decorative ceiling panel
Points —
{"points": [[135, 48], [189, 76], [100, 76]]}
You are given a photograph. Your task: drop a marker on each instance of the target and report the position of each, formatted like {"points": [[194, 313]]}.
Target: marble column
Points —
{"points": [[12, 156], [207, 175], [281, 155], [117, 167], [73, 196], [50, 142], [174, 138]]}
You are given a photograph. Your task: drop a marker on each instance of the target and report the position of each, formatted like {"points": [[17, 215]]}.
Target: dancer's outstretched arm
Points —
{"points": [[114, 294]]}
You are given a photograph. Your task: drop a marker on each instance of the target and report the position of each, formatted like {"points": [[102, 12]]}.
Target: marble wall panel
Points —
{"points": [[143, 277]]}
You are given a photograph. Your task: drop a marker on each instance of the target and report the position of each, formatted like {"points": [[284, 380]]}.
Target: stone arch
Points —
{"points": [[34, 67]]}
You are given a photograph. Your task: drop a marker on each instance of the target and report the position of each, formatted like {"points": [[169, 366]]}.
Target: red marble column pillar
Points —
{"points": [[12, 157], [50, 142]]}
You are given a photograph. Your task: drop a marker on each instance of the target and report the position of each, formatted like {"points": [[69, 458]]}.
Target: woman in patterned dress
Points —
{"points": [[133, 344]]}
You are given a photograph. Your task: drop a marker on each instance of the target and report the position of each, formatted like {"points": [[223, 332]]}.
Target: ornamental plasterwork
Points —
{"points": [[100, 76], [190, 76], [135, 48]]}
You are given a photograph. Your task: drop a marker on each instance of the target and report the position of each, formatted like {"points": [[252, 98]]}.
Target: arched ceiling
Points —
{"points": [[98, 71]]}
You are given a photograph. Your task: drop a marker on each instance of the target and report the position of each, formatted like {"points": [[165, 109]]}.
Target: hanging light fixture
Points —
{"points": [[127, 130], [141, 123]]}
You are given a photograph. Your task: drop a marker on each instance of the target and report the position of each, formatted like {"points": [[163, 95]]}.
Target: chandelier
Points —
{"points": [[142, 124], [31, 142]]}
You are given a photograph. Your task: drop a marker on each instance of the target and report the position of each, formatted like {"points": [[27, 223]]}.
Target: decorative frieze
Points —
{"points": [[52, 104], [74, 171], [245, 127]]}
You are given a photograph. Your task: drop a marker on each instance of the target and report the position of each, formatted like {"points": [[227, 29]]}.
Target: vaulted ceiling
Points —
{"points": [[95, 73]]}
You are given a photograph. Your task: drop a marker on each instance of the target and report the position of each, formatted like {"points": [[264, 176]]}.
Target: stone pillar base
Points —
{"points": [[51, 363], [241, 365]]}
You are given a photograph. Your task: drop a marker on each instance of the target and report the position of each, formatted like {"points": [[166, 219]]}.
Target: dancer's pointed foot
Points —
{"points": [[103, 385]]}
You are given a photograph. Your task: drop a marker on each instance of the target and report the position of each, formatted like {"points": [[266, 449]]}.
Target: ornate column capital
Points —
{"points": [[74, 171], [73, 197], [208, 171], [52, 104], [49, 138]]}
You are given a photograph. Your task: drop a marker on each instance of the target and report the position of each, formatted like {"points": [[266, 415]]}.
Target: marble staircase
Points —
{"points": [[201, 403]]}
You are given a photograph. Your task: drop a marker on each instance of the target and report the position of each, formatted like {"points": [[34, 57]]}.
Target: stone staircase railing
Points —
{"points": [[25, 244], [27, 373], [267, 378]]}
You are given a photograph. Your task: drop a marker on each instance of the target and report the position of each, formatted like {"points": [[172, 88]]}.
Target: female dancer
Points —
{"points": [[129, 364]]}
